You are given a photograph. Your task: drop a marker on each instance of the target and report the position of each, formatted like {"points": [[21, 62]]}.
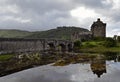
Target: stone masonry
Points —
{"points": [[98, 29], [16, 45]]}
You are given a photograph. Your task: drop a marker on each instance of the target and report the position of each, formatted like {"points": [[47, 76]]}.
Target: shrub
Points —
{"points": [[77, 44], [110, 42], [118, 39], [98, 38]]}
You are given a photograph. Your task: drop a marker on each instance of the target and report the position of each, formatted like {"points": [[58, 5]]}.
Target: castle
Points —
{"points": [[98, 29]]}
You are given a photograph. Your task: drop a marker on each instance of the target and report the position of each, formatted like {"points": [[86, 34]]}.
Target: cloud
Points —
{"points": [[47, 14], [43, 14]]}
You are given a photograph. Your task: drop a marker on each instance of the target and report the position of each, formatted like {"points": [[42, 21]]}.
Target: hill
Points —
{"points": [[58, 33], [13, 33]]}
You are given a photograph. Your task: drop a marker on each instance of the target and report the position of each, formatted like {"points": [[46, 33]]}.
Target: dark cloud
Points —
{"points": [[46, 14], [95, 3], [43, 6], [43, 13]]}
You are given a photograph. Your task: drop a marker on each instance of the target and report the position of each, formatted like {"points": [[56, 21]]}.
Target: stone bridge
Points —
{"points": [[13, 45]]}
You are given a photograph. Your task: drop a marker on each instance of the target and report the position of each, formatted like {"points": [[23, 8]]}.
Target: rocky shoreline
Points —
{"points": [[29, 60]]}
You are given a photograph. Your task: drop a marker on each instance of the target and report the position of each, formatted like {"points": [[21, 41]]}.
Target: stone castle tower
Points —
{"points": [[98, 29]]}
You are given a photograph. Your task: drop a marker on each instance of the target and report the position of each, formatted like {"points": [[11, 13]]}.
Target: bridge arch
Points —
{"points": [[51, 46], [69, 46], [63, 47]]}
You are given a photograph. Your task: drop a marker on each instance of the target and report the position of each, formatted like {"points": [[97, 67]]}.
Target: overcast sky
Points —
{"points": [[37, 15]]}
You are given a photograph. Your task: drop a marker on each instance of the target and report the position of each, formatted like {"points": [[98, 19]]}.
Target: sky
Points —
{"points": [[37, 15]]}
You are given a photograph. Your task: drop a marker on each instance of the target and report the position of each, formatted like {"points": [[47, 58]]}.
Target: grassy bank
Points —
{"points": [[5, 57], [98, 47]]}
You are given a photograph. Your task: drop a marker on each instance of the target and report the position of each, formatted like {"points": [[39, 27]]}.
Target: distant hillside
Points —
{"points": [[59, 33], [13, 33]]}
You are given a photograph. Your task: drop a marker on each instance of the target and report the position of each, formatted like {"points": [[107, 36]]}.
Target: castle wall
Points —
{"points": [[98, 29]]}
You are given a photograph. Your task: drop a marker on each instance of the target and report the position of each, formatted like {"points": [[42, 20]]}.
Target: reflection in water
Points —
{"points": [[112, 56], [105, 67], [69, 73], [98, 67]]}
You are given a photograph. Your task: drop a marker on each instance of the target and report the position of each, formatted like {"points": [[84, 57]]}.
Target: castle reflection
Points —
{"points": [[98, 67], [98, 64]]}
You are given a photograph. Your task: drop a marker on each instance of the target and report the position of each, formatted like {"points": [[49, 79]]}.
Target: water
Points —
{"points": [[96, 70]]}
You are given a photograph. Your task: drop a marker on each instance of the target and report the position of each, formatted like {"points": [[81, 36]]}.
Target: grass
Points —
{"points": [[92, 43], [98, 47], [14, 33], [5, 57]]}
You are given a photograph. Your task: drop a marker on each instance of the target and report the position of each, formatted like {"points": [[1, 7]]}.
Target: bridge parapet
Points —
{"points": [[11, 45]]}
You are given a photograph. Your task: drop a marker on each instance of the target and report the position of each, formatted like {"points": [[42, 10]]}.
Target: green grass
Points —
{"points": [[5, 57], [58, 33], [13, 33], [64, 33], [97, 46], [92, 44], [100, 49]]}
